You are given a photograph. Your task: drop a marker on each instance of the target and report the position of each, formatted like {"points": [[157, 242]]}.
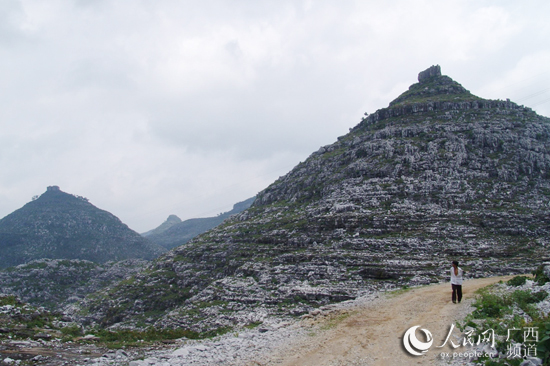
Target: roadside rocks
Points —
{"points": [[239, 347], [235, 348]]}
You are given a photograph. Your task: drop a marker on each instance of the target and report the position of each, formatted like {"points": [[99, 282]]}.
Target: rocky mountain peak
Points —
{"points": [[173, 218], [52, 189], [439, 175], [60, 225], [174, 232], [433, 71], [54, 195], [433, 86], [170, 221]]}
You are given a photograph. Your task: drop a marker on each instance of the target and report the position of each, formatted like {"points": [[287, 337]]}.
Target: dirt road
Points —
{"points": [[371, 334]]}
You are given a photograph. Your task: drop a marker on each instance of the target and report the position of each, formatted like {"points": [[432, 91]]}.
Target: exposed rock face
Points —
{"points": [[58, 225], [57, 283], [431, 72], [438, 175], [172, 233]]}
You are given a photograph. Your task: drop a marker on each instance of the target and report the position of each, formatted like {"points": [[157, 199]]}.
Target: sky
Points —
{"points": [[152, 108]]}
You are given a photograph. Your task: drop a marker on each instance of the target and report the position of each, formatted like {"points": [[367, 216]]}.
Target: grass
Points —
{"points": [[124, 338], [399, 291], [253, 325], [139, 338], [333, 322], [504, 312], [44, 321]]}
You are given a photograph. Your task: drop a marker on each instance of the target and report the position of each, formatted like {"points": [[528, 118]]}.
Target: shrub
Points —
{"points": [[524, 297], [517, 281], [540, 277], [490, 305], [543, 348], [9, 300], [72, 331], [495, 308]]}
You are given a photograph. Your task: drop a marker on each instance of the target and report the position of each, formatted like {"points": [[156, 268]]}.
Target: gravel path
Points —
{"points": [[372, 332], [365, 331]]}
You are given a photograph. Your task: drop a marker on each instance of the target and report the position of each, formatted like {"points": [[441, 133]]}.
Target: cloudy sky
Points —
{"points": [[151, 108]]}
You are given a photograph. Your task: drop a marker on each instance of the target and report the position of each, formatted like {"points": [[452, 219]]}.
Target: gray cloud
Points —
{"points": [[154, 108]]}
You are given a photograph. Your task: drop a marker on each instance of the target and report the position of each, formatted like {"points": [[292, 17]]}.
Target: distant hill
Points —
{"points": [[170, 221], [174, 232], [58, 225]]}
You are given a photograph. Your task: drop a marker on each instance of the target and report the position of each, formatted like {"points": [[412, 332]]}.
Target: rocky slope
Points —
{"points": [[58, 225], [172, 233], [57, 283], [35, 336], [439, 175]]}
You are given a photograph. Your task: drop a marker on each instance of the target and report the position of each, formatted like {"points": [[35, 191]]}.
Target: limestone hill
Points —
{"points": [[439, 175], [58, 225]]}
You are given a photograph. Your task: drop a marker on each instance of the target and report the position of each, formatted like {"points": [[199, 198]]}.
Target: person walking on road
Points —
{"points": [[456, 282]]}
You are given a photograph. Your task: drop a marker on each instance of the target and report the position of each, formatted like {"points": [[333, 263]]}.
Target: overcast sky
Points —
{"points": [[159, 107]]}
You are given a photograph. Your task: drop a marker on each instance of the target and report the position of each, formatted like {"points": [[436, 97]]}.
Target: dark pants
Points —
{"points": [[457, 292]]}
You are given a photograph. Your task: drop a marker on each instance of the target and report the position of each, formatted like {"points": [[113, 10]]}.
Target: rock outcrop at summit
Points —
{"points": [[58, 225], [439, 175], [434, 71]]}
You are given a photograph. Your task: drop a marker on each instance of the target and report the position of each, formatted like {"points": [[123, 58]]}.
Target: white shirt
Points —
{"points": [[456, 279]]}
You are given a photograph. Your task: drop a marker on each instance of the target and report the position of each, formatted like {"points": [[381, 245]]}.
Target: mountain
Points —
{"points": [[170, 221], [173, 233], [58, 225], [438, 175]]}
